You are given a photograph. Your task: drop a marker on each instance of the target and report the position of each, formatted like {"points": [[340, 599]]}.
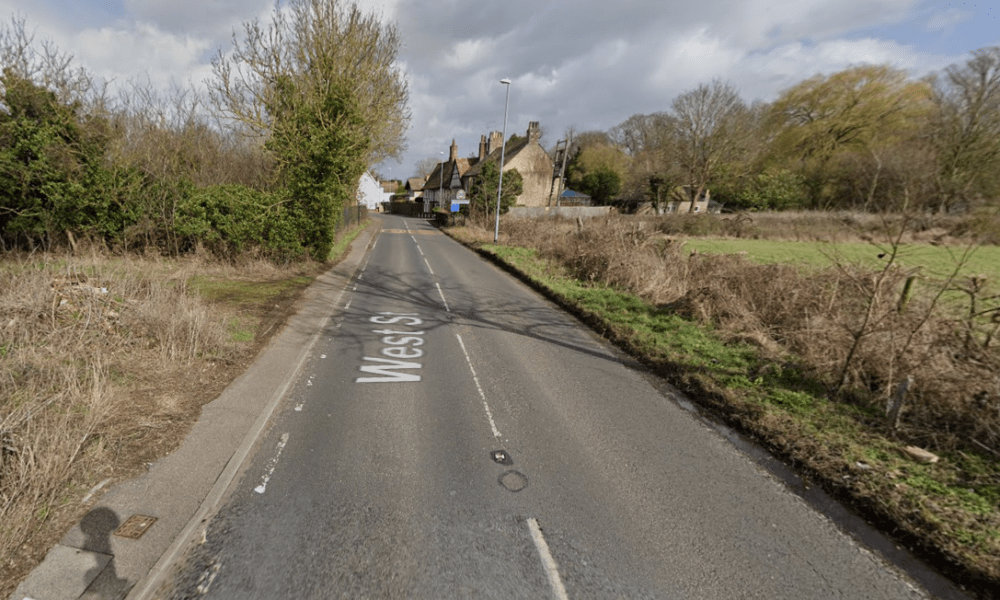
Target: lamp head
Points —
{"points": [[505, 81]]}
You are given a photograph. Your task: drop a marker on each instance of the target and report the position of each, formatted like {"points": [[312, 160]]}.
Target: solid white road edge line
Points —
{"points": [[260, 489], [489, 413], [158, 573], [551, 569], [442, 297]]}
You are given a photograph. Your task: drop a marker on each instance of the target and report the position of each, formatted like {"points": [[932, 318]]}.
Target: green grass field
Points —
{"points": [[937, 261]]}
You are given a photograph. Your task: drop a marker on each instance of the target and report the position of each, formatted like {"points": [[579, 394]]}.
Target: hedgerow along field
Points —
{"points": [[805, 359]]}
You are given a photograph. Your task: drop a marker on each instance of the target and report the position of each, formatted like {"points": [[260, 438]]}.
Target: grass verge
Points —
{"points": [[948, 512]]}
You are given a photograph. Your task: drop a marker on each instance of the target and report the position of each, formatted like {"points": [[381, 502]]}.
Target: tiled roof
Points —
{"points": [[494, 156]]}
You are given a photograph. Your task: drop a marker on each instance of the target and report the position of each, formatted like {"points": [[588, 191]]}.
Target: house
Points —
{"points": [[445, 180], [682, 201], [415, 188], [370, 192], [527, 156], [390, 187]]}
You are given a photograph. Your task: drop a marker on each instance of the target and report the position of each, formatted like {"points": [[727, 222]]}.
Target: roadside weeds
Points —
{"points": [[105, 364], [947, 511]]}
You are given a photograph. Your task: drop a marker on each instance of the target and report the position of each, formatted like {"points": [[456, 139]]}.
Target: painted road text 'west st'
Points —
{"points": [[401, 348]]}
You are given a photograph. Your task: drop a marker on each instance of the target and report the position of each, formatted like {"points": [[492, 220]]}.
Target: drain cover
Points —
{"points": [[135, 526]]}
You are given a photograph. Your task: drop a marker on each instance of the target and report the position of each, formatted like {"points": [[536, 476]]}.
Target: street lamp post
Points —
{"points": [[503, 146], [440, 179]]}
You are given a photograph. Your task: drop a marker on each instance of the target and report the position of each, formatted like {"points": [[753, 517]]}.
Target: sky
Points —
{"points": [[585, 64]]}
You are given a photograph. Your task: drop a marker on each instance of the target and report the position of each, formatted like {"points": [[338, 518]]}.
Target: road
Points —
{"points": [[454, 435]]}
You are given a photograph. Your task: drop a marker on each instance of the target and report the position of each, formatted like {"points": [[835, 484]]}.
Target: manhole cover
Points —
{"points": [[513, 481], [135, 526]]}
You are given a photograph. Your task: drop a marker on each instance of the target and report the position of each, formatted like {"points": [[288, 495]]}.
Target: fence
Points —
{"points": [[569, 212], [409, 209], [352, 216]]}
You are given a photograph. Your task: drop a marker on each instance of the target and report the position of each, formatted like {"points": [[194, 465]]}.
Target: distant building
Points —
{"points": [[415, 188], [446, 179], [683, 201], [370, 192], [527, 156]]}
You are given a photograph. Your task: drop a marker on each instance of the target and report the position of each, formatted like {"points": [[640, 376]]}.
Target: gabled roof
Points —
{"points": [[462, 164], [494, 156], [415, 184], [434, 180]]}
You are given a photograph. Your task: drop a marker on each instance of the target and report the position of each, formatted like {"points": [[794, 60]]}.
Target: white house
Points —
{"points": [[370, 192]]}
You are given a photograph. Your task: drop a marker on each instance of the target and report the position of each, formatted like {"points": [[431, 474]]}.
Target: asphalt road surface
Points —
{"points": [[453, 435]]}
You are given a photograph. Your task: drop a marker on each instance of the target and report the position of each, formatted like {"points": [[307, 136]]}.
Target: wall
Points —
{"points": [[567, 212], [535, 167]]}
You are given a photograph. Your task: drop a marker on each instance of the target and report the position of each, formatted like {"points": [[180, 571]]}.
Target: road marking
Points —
{"points": [[442, 297], [411, 232], [348, 305], [551, 569], [274, 463], [428, 266], [420, 250], [489, 413], [401, 346]]}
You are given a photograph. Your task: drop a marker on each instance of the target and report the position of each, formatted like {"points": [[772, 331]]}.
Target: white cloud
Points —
{"points": [[469, 53], [693, 58], [212, 18], [143, 50], [945, 21]]}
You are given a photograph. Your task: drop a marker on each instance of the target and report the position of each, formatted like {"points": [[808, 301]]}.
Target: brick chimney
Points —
{"points": [[482, 147], [453, 154]]}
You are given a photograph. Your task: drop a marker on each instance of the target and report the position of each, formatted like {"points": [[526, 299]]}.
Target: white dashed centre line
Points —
{"points": [[428, 266], [489, 413], [551, 569], [442, 297]]}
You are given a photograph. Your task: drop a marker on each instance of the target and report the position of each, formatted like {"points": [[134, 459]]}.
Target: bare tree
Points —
{"points": [[966, 129], [648, 140], [711, 124], [316, 46], [45, 65], [426, 166]]}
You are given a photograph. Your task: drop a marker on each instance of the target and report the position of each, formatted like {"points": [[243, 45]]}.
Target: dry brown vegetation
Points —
{"points": [[104, 365], [849, 334], [812, 316]]}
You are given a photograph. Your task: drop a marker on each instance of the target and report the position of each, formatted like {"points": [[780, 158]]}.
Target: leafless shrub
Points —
{"points": [[859, 331], [172, 136]]}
